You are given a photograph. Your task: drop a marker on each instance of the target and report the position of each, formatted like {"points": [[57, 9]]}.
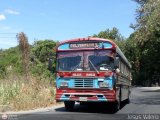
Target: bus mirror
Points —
{"points": [[116, 62], [117, 70], [50, 63]]}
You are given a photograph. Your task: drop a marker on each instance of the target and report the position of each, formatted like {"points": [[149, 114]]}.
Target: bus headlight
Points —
{"points": [[103, 84], [64, 84]]}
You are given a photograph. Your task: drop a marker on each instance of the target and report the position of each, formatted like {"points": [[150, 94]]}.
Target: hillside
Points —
{"points": [[17, 93]]}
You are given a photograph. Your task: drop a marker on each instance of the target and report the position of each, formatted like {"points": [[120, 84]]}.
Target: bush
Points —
{"points": [[2, 71]]}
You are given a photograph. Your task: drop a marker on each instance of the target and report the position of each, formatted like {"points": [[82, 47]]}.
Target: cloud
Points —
{"points": [[2, 17], [11, 11]]}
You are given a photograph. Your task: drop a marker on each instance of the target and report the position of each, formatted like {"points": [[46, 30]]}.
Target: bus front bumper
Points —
{"points": [[106, 96]]}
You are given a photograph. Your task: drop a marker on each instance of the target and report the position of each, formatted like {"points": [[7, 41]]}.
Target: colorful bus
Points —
{"points": [[91, 70]]}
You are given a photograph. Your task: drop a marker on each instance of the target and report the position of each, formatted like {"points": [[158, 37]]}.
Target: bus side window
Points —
{"points": [[120, 66], [124, 69]]}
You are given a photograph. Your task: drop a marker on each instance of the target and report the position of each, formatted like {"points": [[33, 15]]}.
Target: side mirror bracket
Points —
{"points": [[50, 63], [116, 64]]}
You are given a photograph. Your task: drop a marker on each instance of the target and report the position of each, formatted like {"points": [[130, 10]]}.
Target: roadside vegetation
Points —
{"points": [[24, 88], [26, 82]]}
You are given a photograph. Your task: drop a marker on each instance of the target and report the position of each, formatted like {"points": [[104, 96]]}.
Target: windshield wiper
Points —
{"points": [[94, 67], [76, 66]]}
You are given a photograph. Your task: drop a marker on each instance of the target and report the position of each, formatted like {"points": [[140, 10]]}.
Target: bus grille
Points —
{"points": [[83, 83]]}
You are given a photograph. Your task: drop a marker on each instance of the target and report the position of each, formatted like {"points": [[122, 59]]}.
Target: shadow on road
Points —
{"points": [[92, 108], [154, 100], [151, 90], [149, 97]]}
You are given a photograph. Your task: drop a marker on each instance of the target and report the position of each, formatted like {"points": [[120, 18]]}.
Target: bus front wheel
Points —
{"points": [[127, 101], [116, 106], [69, 105]]}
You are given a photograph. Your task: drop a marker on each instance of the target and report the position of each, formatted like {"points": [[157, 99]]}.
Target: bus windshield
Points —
{"points": [[99, 60]]}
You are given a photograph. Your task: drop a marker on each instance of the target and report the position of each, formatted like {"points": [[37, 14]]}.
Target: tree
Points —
{"points": [[113, 35], [110, 34], [24, 47], [147, 38], [44, 49]]}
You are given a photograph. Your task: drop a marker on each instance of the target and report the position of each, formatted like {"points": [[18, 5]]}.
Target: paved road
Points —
{"points": [[145, 104]]}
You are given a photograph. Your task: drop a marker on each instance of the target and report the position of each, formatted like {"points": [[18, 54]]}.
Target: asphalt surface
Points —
{"points": [[144, 105]]}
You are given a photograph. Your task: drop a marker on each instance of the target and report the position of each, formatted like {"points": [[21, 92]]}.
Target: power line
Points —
{"points": [[8, 33], [7, 37]]}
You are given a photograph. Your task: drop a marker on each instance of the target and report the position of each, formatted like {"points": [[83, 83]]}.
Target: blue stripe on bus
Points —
{"points": [[101, 45], [95, 83], [109, 80], [105, 45], [63, 97], [64, 47], [71, 83], [102, 98]]}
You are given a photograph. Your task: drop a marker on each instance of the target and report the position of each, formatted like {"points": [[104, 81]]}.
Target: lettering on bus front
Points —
{"points": [[76, 74], [83, 45], [90, 74], [84, 74]]}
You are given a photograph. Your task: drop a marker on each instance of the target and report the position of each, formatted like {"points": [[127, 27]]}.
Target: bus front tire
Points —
{"points": [[127, 101], [116, 106], [69, 105]]}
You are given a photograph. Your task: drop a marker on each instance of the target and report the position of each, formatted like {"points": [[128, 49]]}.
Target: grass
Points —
{"points": [[16, 94]]}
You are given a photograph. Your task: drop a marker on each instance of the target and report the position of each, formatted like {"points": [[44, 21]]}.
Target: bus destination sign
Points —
{"points": [[83, 45]]}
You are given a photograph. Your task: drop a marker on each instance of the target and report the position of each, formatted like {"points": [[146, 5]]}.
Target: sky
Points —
{"points": [[63, 19]]}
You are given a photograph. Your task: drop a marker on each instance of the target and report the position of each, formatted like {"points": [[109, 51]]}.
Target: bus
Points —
{"points": [[91, 70]]}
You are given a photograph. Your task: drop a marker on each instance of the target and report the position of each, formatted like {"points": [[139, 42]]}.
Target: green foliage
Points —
{"points": [[10, 60], [41, 72], [2, 71], [36, 92], [141, 48], [112, 34], [147, 40], [43, 50]]}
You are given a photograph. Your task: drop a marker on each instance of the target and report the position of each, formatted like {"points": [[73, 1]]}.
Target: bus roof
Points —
{"points": [[120, 53], [86, 39]]}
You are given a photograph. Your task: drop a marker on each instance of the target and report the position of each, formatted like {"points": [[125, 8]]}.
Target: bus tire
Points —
{"points": [[127, 101], [113, 107], [117, 104], [83, 103], [69, 105]]}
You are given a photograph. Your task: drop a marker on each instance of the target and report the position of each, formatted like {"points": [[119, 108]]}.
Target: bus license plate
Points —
{"points": [[82, 98]]}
